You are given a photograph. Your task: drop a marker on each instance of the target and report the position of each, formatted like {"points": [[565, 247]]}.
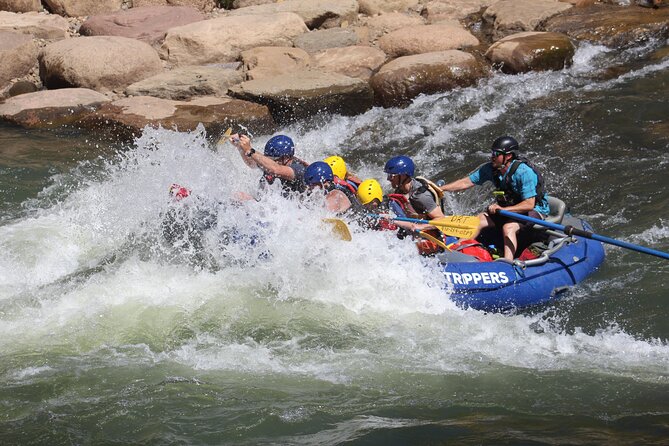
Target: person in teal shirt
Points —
{"points": [[519, 188]]}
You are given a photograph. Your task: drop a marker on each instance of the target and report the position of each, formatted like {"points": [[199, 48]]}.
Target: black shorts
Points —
{"points": [[500, 220]]}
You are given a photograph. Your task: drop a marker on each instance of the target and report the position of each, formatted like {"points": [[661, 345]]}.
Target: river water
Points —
{"points": [[270, 331]]}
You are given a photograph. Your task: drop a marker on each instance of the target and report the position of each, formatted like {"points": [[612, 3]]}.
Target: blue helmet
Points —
{"points": [[400, 165], [318, 173], [278, 146]]}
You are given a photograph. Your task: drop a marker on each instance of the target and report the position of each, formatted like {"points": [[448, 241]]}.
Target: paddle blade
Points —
{"points": [[225, 137], [339, 228], [460, 226]]}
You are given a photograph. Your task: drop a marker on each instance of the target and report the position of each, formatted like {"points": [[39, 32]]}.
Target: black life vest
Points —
{"points": [[509, 197]]}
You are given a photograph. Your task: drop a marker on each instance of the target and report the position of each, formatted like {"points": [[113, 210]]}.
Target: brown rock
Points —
{"points": [[315, 13], [426, 39], [269, 61], [78, 8], [100, 63], [531, 51], [308, 93], [613, 26], [127, 117], [187, 82], [385, 23], [18, 54], [436, 11], [200, 5], [353, 61], [223, 39], [402, 79], [514, 16], [41, 26], [44, 109], [20, 5], [148, 24]]}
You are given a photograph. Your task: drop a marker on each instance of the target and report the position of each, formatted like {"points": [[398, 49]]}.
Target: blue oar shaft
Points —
{"points": [[570, 230]]}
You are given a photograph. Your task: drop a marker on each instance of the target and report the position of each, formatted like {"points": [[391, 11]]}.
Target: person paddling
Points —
{"points": [[277, 162], [337, 199], [520, 189], [419, 198]]}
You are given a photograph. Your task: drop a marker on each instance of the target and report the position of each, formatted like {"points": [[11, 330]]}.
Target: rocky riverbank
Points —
{"points": [[118, 65]]}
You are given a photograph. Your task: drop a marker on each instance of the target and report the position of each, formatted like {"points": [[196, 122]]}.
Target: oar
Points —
{"points": [[570, 230], [225, 137], [339, 228], [461, 226], [434, 240]]}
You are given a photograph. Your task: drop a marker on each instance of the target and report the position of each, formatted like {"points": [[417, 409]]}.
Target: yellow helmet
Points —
{"points": [[369, 190], [338, 166]]}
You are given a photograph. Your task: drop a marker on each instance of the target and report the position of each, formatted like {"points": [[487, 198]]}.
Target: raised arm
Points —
{"points": [[457, 185]]}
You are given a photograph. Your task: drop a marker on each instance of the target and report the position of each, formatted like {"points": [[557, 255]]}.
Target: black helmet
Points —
{"points": [[505, 144]]}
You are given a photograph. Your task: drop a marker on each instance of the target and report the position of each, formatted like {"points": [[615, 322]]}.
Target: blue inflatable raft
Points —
{"points": [[501, 285]]}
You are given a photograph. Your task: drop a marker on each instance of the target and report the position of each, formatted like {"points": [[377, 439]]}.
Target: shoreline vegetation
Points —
{"points": [[115, 66]]}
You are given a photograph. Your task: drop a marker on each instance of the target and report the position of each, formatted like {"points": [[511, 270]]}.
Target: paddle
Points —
{"points": [[570, 230], [225, 137], [339, 228], [461, 226]]}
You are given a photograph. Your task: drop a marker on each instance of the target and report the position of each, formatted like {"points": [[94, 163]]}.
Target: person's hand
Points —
{"points": [[493, 208]]}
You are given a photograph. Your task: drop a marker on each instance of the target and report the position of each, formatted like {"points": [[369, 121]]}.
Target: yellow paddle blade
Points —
{"points": [[225, 137], [339, 228], [460, 226]]}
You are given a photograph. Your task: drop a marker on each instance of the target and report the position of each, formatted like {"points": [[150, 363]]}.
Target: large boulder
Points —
{"points": [[148, 24], [402, 79], [305, 94], [315, 13], [375, 7], [223, 39], [514, 16], [269, 61], [18, 54], [200, 5], [20, 5], [100, 63], [236, 4], [351, 61], [127, 117], [327, 38], [441, 36], [78, 8], [385, 23], [186, 82], [612, 26], [41, 26], [50, 108], [437, 11], [531, 51]]}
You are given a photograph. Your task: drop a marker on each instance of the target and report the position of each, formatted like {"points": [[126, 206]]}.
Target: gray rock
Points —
{"points": [[326, 38]]}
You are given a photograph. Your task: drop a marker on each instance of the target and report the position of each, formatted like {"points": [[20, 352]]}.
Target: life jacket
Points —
{"points": [[505, 195], [428, 247], [435, 190], [472, 248], [345, 185]]}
